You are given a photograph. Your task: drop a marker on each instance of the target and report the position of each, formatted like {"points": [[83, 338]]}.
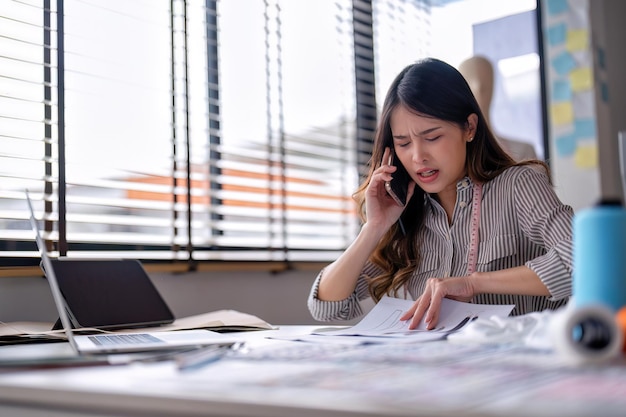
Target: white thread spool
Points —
{"points": [[586, 335]]}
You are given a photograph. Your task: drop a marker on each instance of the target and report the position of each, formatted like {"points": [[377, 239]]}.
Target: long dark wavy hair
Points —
{"points": [[430, 88]]}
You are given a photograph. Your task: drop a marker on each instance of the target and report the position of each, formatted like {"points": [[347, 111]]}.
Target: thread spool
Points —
{"points": [[600, 256], [586, 335]]}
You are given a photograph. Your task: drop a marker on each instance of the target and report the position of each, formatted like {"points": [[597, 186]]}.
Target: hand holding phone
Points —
{"points": [[398, 187]]}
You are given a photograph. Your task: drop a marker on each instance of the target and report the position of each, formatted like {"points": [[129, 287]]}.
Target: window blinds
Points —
{"points": [[178, 130]]}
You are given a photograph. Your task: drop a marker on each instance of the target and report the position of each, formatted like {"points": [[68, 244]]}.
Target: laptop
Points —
{"points": [[117, 342]]}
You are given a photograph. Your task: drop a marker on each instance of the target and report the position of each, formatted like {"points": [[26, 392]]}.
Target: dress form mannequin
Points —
{"points": [[478, 72]]}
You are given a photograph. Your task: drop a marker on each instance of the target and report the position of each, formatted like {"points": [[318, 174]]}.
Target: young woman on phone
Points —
{"points": [[477, 226]]}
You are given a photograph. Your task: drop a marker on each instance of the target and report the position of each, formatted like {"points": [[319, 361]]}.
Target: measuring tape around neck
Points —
{"points": [[472, 255]]}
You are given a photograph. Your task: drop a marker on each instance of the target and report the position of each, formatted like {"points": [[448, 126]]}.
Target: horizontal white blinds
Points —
{"points": [[187, 130], [26, 113], [288, 153]]}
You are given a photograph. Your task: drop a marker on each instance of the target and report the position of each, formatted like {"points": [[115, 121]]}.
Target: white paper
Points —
{"points": [[384, 319]]}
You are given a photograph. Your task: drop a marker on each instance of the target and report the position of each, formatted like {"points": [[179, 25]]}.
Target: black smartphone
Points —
{"points": [[397, 188]]}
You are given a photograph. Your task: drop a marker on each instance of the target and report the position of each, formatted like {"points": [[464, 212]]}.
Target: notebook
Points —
{"points": [[115, 342]]}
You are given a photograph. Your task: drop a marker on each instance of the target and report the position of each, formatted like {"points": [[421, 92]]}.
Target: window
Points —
{"points": [[197, 130], [402, 34], [287, 149], [182, 130]]}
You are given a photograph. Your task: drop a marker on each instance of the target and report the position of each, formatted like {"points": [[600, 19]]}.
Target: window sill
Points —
{"points": [[221, 266]]}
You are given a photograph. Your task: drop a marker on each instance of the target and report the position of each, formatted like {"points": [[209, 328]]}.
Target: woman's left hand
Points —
{"points": [[427, 306]]}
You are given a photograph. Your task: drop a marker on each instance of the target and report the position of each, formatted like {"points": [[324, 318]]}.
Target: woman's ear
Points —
{"points": [[472, 123]]}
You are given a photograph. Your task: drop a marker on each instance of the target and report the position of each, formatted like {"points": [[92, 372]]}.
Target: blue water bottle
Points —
{"points": [[600, 256]]}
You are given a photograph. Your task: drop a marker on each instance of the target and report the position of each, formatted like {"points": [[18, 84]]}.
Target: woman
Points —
{"points": [[477, 226]]}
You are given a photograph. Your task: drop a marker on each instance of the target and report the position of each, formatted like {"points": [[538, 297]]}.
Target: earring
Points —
{"points": [[471, 139]]}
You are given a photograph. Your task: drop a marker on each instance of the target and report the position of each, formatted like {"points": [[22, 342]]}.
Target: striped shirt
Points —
{"points": [[522, 222]]}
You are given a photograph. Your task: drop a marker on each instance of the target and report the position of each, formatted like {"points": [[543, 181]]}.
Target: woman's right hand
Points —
{"points": [[381, 210], [339, 279]]}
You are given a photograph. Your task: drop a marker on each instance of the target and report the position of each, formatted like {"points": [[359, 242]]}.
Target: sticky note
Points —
{"points": [[577, 40], [581, 79], [562, 113], [565, 145], [556, 6], [557, 34], [563, 63], [585, 128], [561, 90], [586, 156]]}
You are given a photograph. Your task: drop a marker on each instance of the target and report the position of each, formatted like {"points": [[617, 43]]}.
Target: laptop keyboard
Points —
{"points": [[123, 339]]}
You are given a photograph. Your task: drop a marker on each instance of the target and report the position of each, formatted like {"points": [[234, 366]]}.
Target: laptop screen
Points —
{"points": [[110, 293]]}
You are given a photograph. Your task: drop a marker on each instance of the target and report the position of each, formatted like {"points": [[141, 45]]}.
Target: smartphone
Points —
{"points": [[397, 188]]}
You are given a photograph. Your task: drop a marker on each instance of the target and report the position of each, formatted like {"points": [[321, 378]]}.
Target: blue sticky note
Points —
{"points": [[585, 128], [556, 6], [566, 145], [561, 90], [557, 34], [563, 63]]}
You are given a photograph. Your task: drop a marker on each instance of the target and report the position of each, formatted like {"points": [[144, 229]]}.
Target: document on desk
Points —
{"points": [[384, 319]]}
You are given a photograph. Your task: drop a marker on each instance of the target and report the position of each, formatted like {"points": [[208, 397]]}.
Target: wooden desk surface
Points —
{"points": [[287, 378]]}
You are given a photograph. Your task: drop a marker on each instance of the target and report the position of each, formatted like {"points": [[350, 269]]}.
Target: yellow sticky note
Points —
{"points": [[581, 79], [577, 40], [562, 113], [586, 156]]}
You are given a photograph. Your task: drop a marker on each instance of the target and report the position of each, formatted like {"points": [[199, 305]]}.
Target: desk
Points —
{"points": [[287, 378]]}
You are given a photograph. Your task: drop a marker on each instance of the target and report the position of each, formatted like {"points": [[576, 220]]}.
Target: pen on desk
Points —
{"points": [[204, 356], [461, 324]]}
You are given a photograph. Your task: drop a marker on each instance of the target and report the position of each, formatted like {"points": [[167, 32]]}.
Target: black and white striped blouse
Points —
{"points": [[522, 222]]}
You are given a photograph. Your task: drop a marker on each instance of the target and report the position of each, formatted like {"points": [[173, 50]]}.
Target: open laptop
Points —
{"points": [[115, 342]]}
